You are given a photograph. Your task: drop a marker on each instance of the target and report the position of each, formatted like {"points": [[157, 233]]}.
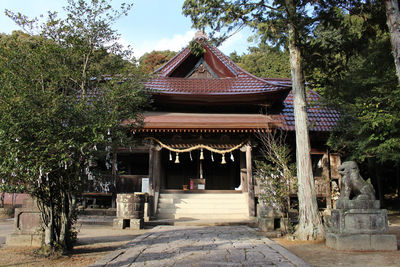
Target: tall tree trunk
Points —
{"points": [[65, 224], [49, 232], [310, 223], [67, 220], [393, 22]]}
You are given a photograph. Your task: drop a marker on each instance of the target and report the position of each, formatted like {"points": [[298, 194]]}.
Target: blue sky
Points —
{"points": [[150, 25]]}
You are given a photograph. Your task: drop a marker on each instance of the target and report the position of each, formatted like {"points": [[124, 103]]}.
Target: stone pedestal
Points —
{"points": [[27, 222], [266, 223], [361, 241], [269, 219], [132, 224], [359, 225], [130, 211]]}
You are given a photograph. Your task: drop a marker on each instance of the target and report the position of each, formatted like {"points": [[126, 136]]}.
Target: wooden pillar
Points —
{"points": [[157, 177], [151, 170], [329, 189], [250, 183]]}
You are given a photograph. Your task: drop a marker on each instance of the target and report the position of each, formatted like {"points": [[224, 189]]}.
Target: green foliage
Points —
{"points": [[276, 173], [196, 48], [57, 107], [269, 20], [274, 187], [264, 61], [349, 61], [235, 57], [150, 62]]}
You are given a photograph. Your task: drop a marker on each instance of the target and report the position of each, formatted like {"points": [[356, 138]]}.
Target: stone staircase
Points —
{"points": [[203, 206]]}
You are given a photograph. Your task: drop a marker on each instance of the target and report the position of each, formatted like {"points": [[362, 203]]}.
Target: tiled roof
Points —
{"points": [[240, 82], [210, 86], [321, 119]]}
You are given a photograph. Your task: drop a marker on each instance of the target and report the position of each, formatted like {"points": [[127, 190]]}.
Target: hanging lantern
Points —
{"points": [[177, 158], [170, 156], [223, 159], [212, 157], [201, 154], [190, 154], [232, 158]]}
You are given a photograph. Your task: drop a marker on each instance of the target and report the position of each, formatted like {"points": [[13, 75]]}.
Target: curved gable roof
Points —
{"points": [[232, 80]]}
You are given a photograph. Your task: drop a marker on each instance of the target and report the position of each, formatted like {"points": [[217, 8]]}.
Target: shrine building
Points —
{"points": [[199, 142]]}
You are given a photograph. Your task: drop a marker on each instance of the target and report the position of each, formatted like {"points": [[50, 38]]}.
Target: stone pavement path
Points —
{"points": [[201, 246]]}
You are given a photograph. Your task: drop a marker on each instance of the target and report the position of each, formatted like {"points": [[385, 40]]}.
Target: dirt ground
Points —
{"points": [[317, 254], [94, 242]]}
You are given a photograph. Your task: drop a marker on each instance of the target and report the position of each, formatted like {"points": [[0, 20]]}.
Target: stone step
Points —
{"points": [[202, 196], [210, 205], [189, 210], [202, 201], [199, 216], [205, 222]]}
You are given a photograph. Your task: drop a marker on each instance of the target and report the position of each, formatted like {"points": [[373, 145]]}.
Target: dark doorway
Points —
{"points": [[218, 176], [221, 176]]}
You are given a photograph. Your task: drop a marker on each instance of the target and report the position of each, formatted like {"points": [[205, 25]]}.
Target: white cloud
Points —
{"points": [[238, 42], [175, 43]]}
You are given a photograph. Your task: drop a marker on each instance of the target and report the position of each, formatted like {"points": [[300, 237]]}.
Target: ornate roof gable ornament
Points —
{"points": [[200, 36]]}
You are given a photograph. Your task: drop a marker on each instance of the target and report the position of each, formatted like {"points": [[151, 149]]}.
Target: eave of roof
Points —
{"points": [[206, 122]]}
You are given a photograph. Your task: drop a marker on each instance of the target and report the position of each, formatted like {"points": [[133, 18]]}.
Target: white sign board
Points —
{"points": [[145, 185]]}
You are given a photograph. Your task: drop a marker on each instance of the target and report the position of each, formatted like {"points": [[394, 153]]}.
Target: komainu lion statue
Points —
{"points": [[352, 182]]}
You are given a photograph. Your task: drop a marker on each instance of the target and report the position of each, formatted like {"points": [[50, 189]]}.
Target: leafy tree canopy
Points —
{"points": [[150, 62], [349, 61], [65, 87], [264, 61]]}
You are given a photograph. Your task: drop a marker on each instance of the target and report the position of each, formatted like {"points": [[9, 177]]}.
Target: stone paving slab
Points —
{"points": [[197, 246]]}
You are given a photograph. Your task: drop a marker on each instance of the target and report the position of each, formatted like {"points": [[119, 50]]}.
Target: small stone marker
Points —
{"points": [[27, 222]]}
